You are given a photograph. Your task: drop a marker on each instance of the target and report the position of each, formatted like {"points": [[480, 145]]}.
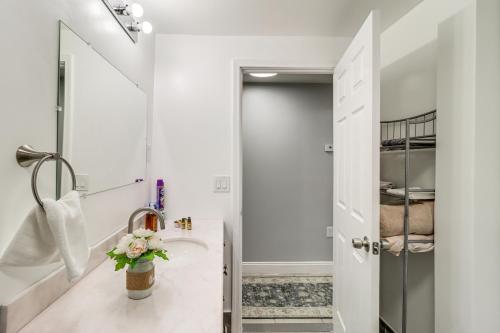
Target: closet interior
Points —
{"points": [[407, 189]]}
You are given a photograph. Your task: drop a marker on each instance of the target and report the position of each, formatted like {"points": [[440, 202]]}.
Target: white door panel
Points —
{"points": [[356, 180]]}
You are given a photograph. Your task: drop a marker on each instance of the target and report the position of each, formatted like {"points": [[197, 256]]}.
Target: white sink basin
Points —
{"points": [[184, 251]]}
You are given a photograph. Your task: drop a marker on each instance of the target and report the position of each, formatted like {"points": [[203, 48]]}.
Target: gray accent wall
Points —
{"points": [[287, 175]]}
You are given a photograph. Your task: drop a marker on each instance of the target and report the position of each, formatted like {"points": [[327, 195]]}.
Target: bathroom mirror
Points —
{"points": [[101, 119]]}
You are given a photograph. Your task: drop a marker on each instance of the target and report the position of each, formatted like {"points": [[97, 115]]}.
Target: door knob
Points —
{"points": [[359, 243]]}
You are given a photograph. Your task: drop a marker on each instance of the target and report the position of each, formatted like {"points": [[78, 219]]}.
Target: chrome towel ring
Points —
{"points": [[26, 156]]}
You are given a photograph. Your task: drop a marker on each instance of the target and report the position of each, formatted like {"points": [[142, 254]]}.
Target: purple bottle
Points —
{"points": [[160, 196]]}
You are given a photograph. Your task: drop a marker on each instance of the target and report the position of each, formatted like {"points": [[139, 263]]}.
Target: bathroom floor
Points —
{"points": [[287, 303]]}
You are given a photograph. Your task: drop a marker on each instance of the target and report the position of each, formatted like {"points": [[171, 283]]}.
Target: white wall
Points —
{"points": [[455, 174], [468, 186], [287, 175], [28, 91], [486, 300], [417, 28], [192, 138], [408, 88]]}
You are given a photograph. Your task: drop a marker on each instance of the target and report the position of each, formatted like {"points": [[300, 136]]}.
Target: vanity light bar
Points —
{"points": [[135, 10]]}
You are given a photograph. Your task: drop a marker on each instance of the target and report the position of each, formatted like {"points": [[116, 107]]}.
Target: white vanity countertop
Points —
{"points": [[186, 299]]}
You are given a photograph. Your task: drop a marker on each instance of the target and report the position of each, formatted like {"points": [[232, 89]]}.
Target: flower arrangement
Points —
{"points": [[142, 244]]}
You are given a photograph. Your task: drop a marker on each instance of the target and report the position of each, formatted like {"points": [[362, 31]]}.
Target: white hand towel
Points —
{"points": [[46, 237]]}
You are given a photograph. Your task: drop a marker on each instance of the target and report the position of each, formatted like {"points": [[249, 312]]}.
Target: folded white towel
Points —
{"points": [[413, 195], [396, 244], [46, 237], [386, 185]]}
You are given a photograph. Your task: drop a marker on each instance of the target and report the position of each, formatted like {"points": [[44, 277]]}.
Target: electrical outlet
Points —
{"points": [[329, 232], [222, 184]]}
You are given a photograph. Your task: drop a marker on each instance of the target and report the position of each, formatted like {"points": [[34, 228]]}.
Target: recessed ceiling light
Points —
{"points": [[261, 75]]}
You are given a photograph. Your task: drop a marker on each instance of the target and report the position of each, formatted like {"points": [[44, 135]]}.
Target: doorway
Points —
{"points": [[287, 196]]}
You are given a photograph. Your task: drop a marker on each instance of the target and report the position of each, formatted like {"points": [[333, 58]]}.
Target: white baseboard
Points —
{"points": [[288, 267]]}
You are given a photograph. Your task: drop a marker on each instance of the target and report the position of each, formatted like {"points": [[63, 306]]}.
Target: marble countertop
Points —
{"points": [[186, 299]]}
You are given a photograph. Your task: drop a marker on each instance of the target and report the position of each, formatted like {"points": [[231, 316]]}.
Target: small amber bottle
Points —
{"points": [[151, 222], [189, 224], [183, 223]]}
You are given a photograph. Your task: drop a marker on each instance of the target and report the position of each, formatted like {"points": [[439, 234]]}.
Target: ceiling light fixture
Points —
{"points": [[130, 16], [135, 10], [263, 75], [147, 28]]}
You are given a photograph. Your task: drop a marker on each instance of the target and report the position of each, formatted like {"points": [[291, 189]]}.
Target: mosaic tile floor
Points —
{"points": [[287, 297]]}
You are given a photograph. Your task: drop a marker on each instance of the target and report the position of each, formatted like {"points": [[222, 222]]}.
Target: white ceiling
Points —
{"points": [[269, 17]]}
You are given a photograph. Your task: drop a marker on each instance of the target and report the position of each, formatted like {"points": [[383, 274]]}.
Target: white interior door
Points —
{"points": [[356, 182]]}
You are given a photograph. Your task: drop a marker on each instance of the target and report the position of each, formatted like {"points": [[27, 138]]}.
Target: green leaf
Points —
{"points": [[148, 256], [121, 261], [161, 254], [120, 265], [132, 262], [111, 253]]}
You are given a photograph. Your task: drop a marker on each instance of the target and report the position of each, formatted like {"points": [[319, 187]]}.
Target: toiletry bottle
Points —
{"points": [[160, 196], [151, 222], [189, 224]]}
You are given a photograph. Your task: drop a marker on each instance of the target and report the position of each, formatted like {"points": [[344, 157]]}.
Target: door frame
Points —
{"points": [[239, 66]]}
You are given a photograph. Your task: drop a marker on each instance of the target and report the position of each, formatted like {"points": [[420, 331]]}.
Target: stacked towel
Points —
{"points": [[413, 195], [384, 185], [421, 219], [46, 237], [396, 244]]}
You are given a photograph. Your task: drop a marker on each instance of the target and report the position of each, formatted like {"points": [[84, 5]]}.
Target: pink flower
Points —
{"points": [[124, 244], [136, 248]]}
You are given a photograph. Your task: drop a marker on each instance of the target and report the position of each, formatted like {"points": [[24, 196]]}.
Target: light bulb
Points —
{"points": [[147, 28], [136, 10], [263, 74]]}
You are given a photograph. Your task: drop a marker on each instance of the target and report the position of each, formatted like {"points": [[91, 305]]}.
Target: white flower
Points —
{"points": [[156, 243], [124, 244], [137, 247], [143, 233]]}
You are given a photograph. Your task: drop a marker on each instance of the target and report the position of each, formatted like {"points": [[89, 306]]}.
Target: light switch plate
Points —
{"points": [[82, 182], [222, 184], [329, 232]]}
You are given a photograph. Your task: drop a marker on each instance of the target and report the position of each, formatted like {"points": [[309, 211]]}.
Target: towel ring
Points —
{"points": [[26, 156]]}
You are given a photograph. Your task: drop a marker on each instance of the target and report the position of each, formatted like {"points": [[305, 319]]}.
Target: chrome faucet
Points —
{"points": [[147, 210]]}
